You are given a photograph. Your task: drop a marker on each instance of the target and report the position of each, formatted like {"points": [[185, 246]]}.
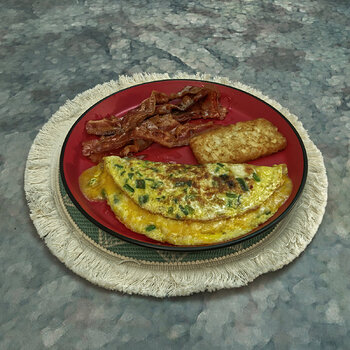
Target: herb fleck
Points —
{"points": [[140, 183], [243, 184], [128, 188], [150, 228], [143, 199], [187, 209], [256, 177]]}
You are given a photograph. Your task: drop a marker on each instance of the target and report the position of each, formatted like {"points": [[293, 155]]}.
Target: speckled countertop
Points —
{"points": [[296, 52]]}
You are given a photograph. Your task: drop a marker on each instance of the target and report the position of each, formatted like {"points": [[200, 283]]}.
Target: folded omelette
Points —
{"points": [[188, 204]]}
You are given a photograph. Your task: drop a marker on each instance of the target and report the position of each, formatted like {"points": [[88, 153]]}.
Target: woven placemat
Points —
{"points": [[114, 264]]}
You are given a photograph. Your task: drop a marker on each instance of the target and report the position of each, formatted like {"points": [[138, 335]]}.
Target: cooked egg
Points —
{"points": [[194, 192], [97, 183]]}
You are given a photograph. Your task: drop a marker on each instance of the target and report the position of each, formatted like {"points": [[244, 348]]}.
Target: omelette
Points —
{"points": [[188, 204]]}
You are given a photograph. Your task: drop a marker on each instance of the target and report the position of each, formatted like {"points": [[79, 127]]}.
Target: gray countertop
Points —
{"points": [[296, 52]]}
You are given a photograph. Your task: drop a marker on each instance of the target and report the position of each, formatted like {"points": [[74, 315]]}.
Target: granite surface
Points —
{"points": [[296, 52]]}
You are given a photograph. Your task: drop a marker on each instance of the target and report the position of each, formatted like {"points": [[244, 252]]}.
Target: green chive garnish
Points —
{"points": [[128, 188], [150, 228], [187, 209], [115, 199], [103, 193], [140, 183], [130, 175], [231, 195], [256, 177], [243, 184], [118, 166], [143, 199]]}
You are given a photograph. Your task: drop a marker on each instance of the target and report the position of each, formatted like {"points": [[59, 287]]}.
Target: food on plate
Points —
{"points": [[238, 143], [196, 192], [187, 204], [161, 118]]}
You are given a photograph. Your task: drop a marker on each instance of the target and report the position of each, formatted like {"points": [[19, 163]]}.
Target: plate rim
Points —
{"points": [[186, 248]]}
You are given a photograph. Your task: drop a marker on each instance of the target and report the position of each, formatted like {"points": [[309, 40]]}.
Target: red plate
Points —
{"points": [[241, 106]]}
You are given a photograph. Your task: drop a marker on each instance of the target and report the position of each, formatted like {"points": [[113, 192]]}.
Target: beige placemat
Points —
{"points": [[117, 265]]}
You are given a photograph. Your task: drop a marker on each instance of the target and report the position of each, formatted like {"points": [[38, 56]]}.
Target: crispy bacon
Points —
{"points": [[185, 103], [155, 104], [106, 144], [103, 127], [158, 118], [168, 132], [205, 108], [136, 146], [130, 120]]}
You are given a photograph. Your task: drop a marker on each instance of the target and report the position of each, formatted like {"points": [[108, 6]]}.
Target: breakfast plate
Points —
{"points": [[241, 106]]}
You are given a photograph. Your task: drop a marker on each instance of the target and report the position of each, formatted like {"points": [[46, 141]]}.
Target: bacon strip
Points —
{"points": [[105, 144], [186, 102], [114, 125], [127, 122], [154, 120], [168, 132], [137, 146]]}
